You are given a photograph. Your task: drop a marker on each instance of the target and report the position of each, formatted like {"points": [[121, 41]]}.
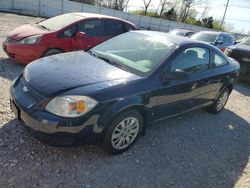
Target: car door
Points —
{"points": [[94, 34], [64, 39], [219, 75], [180, 95], [225, 42]]}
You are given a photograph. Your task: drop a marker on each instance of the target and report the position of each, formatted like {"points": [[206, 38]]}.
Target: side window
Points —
{"points": [[192, 60], [219, 60], [68, 32], [92, 28], [226, 39], [113, 28], [221, 38], [231, 40]]}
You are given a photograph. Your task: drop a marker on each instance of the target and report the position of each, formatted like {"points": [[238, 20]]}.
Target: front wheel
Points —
{"points": [[221, 101], [123, 132]]}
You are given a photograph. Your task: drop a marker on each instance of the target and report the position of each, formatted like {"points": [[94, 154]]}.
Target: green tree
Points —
{"points": [[207, 22], [186, 7], [147, 4], [141, 12], [119, 4], [216, 25], [170, 15], [192, 21]]}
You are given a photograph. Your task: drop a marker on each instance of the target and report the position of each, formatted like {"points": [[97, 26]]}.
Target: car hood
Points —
{"points": [[242, 47], [26, 31], [56, 74]]}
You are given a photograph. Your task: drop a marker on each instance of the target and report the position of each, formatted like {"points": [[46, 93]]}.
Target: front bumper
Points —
{"points": [[52, 133], [51, 128], [23, 54]]}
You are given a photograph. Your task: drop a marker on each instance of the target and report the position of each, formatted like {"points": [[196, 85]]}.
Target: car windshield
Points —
{"points": [[138, 53], [206, 37], [59, 22], [246, 41]]}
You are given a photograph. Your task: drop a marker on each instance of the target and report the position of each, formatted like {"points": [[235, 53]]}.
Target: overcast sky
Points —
{"points": [[238, 13]]}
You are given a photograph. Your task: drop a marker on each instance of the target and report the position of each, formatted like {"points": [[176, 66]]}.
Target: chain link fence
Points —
{"points": [[49, 8]]}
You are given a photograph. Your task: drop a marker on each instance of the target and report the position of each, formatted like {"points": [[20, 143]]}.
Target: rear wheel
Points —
{"points": [[52, 52], [123, 132], [221, 101]]}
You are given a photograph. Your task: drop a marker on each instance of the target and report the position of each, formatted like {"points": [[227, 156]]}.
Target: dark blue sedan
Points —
{"points": [[110, 94]]}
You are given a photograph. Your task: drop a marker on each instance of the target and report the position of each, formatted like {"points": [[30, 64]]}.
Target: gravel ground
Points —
{"points": [[195, 150]]}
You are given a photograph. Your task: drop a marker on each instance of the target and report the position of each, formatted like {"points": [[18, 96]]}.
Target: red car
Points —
{"points": [[63, 33]]}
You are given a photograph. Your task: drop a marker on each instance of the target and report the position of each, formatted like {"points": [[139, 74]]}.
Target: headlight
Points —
{"points": [[30, 40], [71, 106]]}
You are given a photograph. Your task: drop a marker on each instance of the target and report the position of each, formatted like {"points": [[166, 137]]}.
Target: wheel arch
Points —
{"points": [[59, 49], [122, 106], [230, 86]]}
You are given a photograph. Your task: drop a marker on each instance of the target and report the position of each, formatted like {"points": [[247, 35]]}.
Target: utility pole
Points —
{"points": [[222, 21]]}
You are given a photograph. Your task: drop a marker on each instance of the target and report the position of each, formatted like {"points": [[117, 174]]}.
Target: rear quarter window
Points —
{"points": [[219, 60]]}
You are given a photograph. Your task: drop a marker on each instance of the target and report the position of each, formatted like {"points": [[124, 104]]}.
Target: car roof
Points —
{"points": [[94, 15], [176, 39], [215, 32]]}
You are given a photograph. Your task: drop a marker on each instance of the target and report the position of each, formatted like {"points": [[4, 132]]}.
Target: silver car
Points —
{"points": [[219, 39]]}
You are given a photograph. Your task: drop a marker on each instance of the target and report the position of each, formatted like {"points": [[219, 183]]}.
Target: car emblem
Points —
{"points": [[25, 89]]}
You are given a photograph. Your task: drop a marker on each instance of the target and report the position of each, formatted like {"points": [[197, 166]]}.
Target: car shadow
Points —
{"points": [[195, 150], [243, 89], [9, 69]]}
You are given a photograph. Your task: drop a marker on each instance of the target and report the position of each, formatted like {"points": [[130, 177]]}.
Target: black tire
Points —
{"points": [[52, 52], [214, 109], [108, 141]]}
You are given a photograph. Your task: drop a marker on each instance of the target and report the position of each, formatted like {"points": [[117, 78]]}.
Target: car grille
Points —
{"points": [[51, 139], [24, 95]]}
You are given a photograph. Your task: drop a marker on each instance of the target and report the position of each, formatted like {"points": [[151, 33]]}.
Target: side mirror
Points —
{"points": [[219, 42], [178, 74], [80, 35]]}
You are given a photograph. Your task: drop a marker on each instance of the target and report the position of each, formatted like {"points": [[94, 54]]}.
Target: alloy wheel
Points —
{"points": [[125, 133], [222, 100]]}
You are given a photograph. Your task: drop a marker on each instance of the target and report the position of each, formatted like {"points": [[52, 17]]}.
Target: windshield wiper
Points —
{"points": [[106, 59], [42, 26], [92, 53]]}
